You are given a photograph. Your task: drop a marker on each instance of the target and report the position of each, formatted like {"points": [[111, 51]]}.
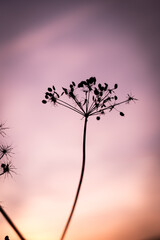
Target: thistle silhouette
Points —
{"points": [[96, 101]]}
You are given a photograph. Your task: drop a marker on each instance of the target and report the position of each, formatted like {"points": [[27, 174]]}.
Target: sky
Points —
{"points": [[45, 43]]}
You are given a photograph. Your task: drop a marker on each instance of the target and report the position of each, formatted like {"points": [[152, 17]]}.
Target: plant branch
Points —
{"points": [[11, 223], [93, 107], [109, 107]]}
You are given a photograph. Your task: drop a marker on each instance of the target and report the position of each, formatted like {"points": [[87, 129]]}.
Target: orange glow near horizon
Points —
{"points": [[119, 198]]}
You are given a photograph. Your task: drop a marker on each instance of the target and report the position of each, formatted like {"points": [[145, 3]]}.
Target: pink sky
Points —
{"points": [[120, 196]]}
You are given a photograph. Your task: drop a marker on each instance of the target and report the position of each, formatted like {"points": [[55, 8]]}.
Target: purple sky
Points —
{"points": [[47, 42]]}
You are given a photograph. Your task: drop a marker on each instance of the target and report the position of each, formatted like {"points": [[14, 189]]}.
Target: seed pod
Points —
{"points": [[100, 87], [98, 118], [71, 94], [96, 92], [110, 91], [106, 86], [65, 90], [122, 114], [91, 80], [115, 86], [81, 84], [49, 89], [44, 101]]}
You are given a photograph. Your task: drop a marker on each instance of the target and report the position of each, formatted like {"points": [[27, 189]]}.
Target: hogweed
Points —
{"points": [[96, 101]]}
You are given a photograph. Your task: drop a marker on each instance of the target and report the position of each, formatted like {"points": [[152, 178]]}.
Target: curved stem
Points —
{"points": [[80, 181], [11, 223]]}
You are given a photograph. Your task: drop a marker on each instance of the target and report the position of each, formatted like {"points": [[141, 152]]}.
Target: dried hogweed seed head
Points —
{"points": [[97, 99]]}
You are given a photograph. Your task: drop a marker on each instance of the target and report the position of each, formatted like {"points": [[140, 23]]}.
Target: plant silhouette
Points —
{"points": [[96, 101], [6, 238], [6, 166], [11, 223]]}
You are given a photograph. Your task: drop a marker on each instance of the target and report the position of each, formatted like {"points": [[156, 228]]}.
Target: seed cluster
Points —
{"points": [[96, 99]]}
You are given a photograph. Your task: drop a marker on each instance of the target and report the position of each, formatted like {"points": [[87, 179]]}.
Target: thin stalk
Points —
{"points": [[86, 100], [109, 107], [73, 109], [80, 181], [79, 104], [11, 223], [65, 103], [87, 104], [89, 111], [92, 108], [2, 156]]}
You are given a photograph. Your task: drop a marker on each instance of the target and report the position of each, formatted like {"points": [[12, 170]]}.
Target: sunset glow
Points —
{"points": [[45, 44]]}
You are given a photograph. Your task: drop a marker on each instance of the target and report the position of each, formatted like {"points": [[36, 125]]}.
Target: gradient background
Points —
{"points": [[56, 42]]}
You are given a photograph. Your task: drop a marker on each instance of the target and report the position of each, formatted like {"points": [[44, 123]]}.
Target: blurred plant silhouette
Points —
{"points": [[11, 223], [6, 166], [6, 238], [96, 100]]}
